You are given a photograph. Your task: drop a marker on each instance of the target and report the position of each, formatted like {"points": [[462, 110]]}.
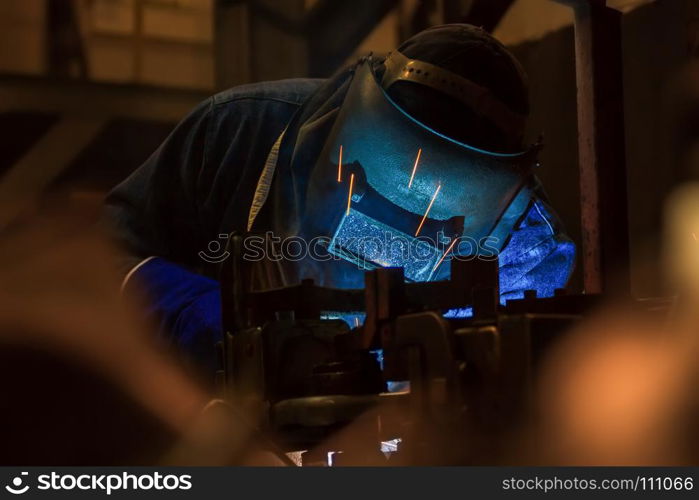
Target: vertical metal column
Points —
{"points": [[64, 45], [601, 144]]}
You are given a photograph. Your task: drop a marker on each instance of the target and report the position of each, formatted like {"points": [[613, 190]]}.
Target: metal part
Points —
{"points": [[601, 144], [302, 378]]}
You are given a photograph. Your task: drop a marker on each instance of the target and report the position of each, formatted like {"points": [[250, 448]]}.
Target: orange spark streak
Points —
{"points": [[429, 207], [451, 245], [339, 166], [349, 196], [417, 159]]}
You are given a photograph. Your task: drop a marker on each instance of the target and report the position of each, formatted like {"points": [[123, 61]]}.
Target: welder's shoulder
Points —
{"points": [[292, 91]]}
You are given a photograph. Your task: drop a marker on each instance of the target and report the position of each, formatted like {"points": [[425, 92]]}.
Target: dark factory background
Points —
{"points": [[90, 88]]}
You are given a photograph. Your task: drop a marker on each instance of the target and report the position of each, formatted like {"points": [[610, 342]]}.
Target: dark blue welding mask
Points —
{"points": [[389, 191]]}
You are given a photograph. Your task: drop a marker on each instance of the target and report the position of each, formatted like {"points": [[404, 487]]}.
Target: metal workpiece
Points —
{"points": [[310, 376]]}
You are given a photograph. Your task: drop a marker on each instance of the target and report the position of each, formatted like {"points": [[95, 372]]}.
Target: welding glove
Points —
{"points": [[185, 306]]}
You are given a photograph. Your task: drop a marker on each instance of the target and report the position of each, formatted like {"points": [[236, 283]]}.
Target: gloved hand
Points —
{"points": [[186, 307]]}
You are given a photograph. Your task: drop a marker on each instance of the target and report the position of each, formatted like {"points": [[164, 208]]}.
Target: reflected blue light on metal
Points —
{"points": [[353, 320], [390, 446], [466, 312], [398, 386], [379, 357]]}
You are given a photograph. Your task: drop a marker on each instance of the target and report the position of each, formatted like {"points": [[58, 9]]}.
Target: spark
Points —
{"points": [[349, 195], [451, 245], [417, 159], [339, 166], [429, 207]]}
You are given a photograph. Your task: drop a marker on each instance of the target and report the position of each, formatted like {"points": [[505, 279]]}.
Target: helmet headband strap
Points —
{"points": [[477, 98]]}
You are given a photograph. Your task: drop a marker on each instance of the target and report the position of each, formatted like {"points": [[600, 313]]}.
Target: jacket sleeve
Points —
{"points": [[154, 215]]}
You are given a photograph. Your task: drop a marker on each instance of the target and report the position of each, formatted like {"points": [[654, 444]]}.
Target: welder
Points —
{"points": [[407, 160]]}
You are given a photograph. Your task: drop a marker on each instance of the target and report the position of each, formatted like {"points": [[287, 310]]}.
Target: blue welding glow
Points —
{"points": [[466, 312], [398, 386], [379, 357]]}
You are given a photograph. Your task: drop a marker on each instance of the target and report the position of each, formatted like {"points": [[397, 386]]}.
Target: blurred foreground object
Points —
{"points": [[82, 379], [619, 391]]}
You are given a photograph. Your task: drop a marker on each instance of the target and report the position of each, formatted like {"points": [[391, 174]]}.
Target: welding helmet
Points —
{"points": [[389, 191]]}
